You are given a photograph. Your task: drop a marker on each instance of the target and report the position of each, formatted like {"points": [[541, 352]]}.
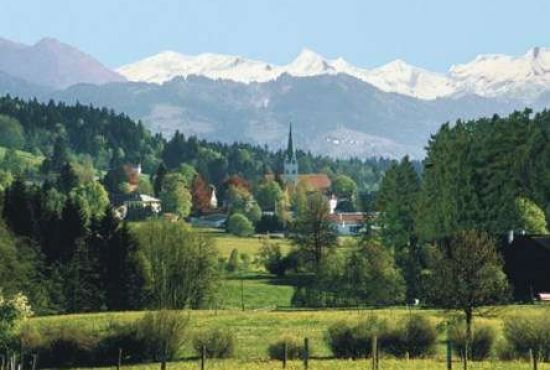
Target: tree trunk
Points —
{"points": [[469, 334]]}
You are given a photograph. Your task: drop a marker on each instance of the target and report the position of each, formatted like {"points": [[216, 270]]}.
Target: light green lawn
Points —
{"points": [[226, 243], [259, 293], [255, 330]]}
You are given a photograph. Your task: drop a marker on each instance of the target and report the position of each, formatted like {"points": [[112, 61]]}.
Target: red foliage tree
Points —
{"points": [[201, 195]]}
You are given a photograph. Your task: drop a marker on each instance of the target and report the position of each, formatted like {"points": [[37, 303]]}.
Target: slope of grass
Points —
{"points": [[259, 292], [255, 330], [226, 243]]}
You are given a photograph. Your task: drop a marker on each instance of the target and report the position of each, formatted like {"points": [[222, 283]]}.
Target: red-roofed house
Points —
{"points": [[348, 223]]}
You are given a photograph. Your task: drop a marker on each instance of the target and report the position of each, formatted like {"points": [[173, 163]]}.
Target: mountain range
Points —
{"points": [[336, 108], [491, 75]]}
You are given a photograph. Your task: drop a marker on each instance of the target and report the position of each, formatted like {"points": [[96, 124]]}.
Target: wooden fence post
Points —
{"points": [[242, 294], [449, 355], [203, 357], [374, 353], [285, 354], [119, 362], [306, 353], [533, 357]]}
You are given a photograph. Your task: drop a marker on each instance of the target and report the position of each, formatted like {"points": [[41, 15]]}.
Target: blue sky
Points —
{"points": [[429, 33]]}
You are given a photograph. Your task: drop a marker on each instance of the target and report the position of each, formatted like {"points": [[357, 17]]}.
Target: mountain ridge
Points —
{"points": [[489, 75], [52, 64]]}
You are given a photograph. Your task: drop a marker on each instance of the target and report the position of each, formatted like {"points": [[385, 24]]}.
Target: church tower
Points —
{"points": [[291, 164]]}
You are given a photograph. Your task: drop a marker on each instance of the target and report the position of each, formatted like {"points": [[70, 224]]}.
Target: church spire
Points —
{"points": [[290, 148], [291, 164]]}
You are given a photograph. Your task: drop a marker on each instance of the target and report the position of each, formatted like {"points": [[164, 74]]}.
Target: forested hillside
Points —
{"points": [[62, 169], [99, 135]]}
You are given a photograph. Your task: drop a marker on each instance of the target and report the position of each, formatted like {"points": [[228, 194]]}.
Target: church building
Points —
{"points": [[314, 182]]}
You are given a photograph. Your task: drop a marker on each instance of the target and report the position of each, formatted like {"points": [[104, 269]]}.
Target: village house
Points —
{"points": [[136, 206]]}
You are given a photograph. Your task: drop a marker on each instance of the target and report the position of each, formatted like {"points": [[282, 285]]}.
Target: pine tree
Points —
{"points": [[158, 178], [19, 210], [68, 178], [75, 220], [82, 280]]}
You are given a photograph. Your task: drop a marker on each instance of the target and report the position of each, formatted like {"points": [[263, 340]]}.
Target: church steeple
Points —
{"points": [[291, 164], [290, 146]]}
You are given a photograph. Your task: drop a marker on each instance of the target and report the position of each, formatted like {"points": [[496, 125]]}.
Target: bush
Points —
{"points": [[295, 349], [524, 333], [233, 261], [239, 225], [135, 347], [217, 343], [271, 257], [64, 347], [416, 336], [355, 341], [483, 339], [161, 334], [13, 313]]}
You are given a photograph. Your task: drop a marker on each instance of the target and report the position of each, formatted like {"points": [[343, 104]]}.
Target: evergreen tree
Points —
{"points": [[68, 178], [19, 210], [75, 224], [313, 234], [82, 280], [158, 178], [59, 157]]}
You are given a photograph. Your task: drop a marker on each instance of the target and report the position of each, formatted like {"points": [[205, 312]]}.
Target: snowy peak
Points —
{"points": [[494, 75], [394, 77], [491, 75], [167, 65], [309, 63]]}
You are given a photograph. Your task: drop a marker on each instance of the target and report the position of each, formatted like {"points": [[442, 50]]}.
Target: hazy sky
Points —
{"points": [[429, 33]]}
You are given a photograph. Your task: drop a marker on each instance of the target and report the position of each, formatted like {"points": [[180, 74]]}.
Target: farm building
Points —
{"points": [[527, 264]]}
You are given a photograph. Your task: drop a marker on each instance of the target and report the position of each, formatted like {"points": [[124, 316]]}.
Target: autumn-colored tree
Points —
{"points": [[237, 182], [201, 195]]}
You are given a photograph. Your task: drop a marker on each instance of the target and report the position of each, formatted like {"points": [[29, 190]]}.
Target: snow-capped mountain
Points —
{"points": [[497, 75], [491, 75], [394, 77]]}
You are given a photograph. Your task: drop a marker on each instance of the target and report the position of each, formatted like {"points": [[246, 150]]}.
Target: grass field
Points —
{"points": [[226, 243], [329, 364], [255, 330], [259, 293]]}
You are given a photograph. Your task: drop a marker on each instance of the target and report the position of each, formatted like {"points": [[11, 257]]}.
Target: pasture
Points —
{"points": [[255, 330]]}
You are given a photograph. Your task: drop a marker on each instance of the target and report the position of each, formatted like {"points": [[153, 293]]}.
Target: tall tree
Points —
{"points": [[175, 196], [182, 265], [397, 203], [201, 195], [467, 273], [158, 178], [313, 234]]}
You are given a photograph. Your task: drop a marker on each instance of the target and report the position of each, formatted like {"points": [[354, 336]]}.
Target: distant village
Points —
{"points": [[136, 206]]}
